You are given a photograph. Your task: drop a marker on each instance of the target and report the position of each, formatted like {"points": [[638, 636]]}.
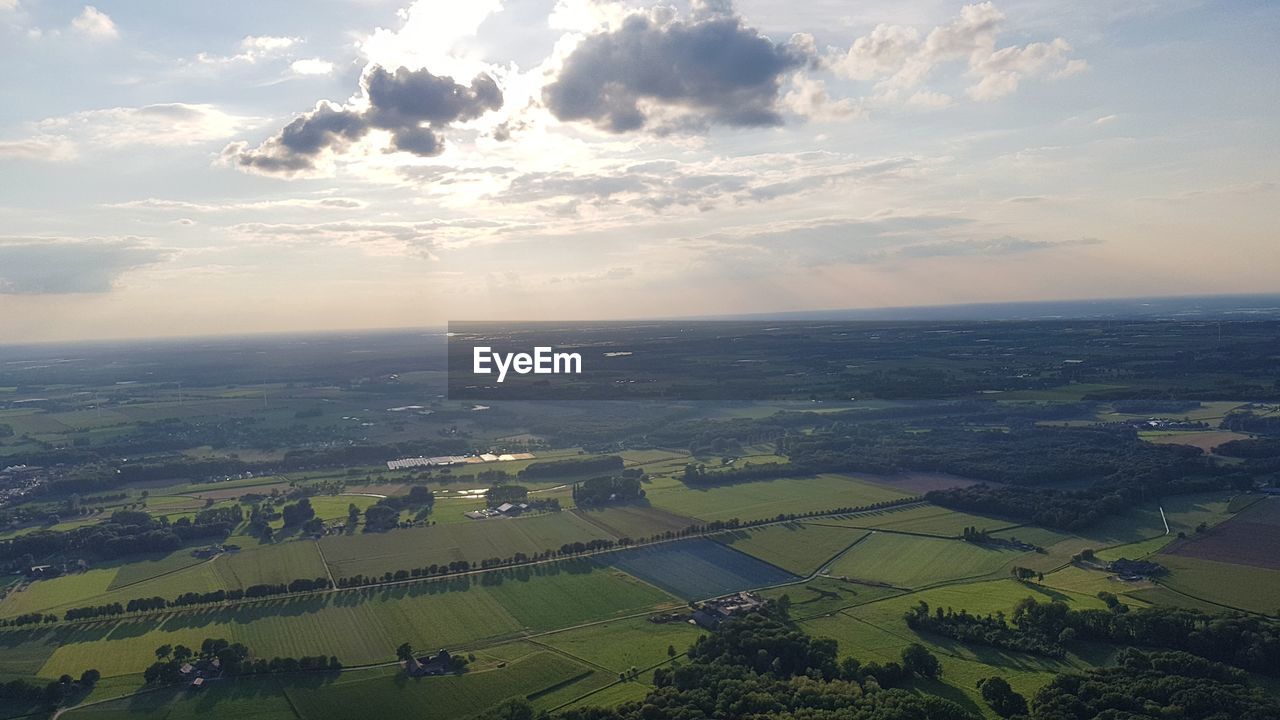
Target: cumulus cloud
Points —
{"points": [[900, 58], [414, 106], [95, 24], [253, 48], [661, 73], [311, 66], [41, 266]]}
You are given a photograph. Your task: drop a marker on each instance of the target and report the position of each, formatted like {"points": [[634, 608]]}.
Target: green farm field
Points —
{"points": [[471, 540], [462, 611], [623, 644], [799, 548], [169, 576], [255, 698], [767, 499], [924, 519], [1242, 587], [825, 595], [911, 562], [877, 632], [634, 520], [390, 695]]}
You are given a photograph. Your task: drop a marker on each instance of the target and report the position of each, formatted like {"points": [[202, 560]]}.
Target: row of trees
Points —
{"points": [[218, 656], [151, 604]]}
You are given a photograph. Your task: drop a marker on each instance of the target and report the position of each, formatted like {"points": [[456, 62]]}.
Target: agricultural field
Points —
{"points": [[335, 507], [826, 595], [470, 540], [1249, 538], [170, 576], [441, 613], [391, 695], [798, 548], [636, 520], [623, 644], [251, 698], [922, 519], [1226, 585], [768, 499], [557, 634], [910, 561], [1206, 440], [697, 569], [69, 589], [875, 631], [143, 569]]}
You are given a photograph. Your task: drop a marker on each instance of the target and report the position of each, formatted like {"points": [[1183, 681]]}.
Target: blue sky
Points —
{"points": [[193, 168]]}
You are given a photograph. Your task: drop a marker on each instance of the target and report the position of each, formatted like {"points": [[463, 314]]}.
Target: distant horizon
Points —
{"points": [[1268, 307]]}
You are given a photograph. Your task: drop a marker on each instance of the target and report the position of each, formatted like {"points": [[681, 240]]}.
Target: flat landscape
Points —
{"points": [[578, 578]]}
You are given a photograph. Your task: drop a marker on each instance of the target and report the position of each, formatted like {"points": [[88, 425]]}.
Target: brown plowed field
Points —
{"points": [[1250, 538]]}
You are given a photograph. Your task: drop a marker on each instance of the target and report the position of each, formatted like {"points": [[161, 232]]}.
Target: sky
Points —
{"points": [[175, 168]]}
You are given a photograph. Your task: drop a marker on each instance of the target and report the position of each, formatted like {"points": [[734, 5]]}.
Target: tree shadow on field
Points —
{"points": [[946, 692]]}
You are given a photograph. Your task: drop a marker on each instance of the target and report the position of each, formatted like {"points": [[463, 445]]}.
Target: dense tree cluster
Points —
{"points": [[500, 494], [127, 532], [1252, 448], [52, 693], [606, 489], [990, 630], [295, 514], [1244, 641], [997, 693], [1156, 685], [1249, 421]]}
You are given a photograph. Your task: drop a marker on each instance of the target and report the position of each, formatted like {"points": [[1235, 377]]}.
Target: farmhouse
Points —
{"points": [[711, 613], [1133, 570], [438, 664]]}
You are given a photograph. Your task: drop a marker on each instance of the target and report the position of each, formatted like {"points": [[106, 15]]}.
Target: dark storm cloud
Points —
{"points": [[56, 266], [711, 69], [413, 105]]}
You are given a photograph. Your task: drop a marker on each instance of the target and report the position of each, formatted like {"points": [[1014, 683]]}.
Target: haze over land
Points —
{"points": [[165, 168]]}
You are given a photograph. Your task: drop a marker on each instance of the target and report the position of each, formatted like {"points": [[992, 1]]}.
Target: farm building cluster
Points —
{"points": [[1135, 570], [200, 671], [711, 613], [446, 460], [503, 510]]}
